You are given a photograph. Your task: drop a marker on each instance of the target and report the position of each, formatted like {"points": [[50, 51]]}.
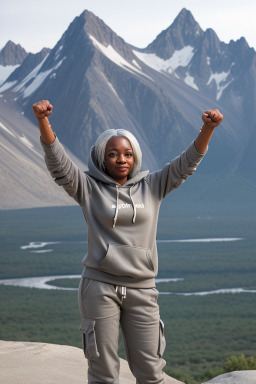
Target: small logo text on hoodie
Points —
{"points": [[126, 205]]}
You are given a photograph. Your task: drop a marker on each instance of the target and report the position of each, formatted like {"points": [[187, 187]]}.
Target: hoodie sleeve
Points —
{"points": [[174, 173], [65, 172]]}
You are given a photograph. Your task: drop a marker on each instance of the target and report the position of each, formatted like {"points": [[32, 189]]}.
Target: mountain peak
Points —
{"points": [[185, 29], [210, 40], [96, 27], [182, 32], [89, 25], [88, 15], [185, 16], [12, 54]]}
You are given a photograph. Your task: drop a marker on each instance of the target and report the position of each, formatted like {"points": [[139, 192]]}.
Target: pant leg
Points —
{"points": [[142, 334], [100, 313]]}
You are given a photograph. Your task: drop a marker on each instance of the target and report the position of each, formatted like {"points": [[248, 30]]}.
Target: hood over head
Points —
{"points": [[97, 174]]}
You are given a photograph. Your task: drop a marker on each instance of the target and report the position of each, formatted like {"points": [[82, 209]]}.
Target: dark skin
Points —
{"points": [[119, 164], [42, 110], [119, 159]]}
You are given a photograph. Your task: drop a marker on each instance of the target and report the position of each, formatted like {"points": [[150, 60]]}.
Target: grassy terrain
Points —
{"points": [[201, 331]]}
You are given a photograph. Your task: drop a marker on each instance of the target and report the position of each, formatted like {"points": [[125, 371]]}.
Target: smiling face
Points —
{"points": [[119, 158]]}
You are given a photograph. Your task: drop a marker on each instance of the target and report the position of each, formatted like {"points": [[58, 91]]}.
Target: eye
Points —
{"points": [[129, 154], [112, 154]]}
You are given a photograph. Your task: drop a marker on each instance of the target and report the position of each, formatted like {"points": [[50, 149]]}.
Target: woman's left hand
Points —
{"points": [[212, 118]]}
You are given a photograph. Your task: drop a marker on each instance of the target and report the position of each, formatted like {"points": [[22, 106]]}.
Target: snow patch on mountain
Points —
{"points": [[189, 80], [114, 56], [26, 142], [35, 78], [5, 72], [30, 77], [136, 64], [29, 145], [57, 53], [7, 85], [180, 58], [38, 80], [112, 88], [6, 129], [221, 82]]}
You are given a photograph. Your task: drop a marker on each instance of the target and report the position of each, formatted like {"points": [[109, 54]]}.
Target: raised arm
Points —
{"points": [[42, 110], [211, 118], [64, 171], [179, 169]]}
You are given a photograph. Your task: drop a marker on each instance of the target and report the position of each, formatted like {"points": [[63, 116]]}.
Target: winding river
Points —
{"points": [[44, 282]]}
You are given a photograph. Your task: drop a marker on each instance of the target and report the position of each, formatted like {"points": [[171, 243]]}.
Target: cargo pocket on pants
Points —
{"points": [[162, 341], [89, 339]]}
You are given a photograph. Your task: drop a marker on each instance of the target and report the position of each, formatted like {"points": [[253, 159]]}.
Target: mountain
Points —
{"points": [[11, 56], [184, 31], [25, 182], [199, 58], [31, 61], [96, 81], [224, 73]]}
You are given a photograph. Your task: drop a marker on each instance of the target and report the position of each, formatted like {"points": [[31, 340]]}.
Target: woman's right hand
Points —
{"points": [[42, 109]]}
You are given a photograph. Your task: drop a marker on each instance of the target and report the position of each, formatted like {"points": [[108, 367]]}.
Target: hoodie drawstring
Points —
{"points": [[121, 292], [134, 208], [116, 213], [133, 205]]}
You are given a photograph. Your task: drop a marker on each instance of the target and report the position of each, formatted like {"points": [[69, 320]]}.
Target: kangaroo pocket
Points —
{"points": [[123, 260]]}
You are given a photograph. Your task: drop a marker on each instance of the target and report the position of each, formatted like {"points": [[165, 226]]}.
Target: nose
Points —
{"points": [[121, 159]]}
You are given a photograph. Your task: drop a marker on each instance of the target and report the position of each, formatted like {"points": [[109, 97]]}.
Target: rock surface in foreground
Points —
{"points": [[40, 363], [237, 377]]}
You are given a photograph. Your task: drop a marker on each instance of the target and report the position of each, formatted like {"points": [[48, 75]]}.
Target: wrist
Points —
{"points": [[43, 118], [207, 127]]}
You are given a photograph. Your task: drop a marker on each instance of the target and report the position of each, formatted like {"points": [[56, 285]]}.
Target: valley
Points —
{"points": [[202, 330]]}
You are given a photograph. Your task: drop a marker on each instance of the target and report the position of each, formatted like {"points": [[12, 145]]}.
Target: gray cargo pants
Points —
{"points": [[103, 308]]}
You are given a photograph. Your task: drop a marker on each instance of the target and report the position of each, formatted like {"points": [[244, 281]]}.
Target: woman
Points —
{"points": [[120, 205]]}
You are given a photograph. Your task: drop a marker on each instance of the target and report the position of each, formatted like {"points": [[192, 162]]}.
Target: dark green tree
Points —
{"points": [[239, 363]]}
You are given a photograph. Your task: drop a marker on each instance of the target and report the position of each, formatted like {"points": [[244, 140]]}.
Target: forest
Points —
{"points": [[203, 329]]}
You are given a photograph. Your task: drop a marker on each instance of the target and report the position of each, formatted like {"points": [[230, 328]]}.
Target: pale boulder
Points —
{"points": [[40, 363], [237, 377]]}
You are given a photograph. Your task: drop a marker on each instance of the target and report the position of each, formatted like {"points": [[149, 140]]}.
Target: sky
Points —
{"points": [[35, 24]]}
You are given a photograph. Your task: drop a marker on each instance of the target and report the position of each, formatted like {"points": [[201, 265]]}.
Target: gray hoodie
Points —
{"points": [[121, 220]]}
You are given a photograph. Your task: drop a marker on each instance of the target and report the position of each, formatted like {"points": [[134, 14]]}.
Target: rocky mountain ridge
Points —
{"points": [[12, 54]]}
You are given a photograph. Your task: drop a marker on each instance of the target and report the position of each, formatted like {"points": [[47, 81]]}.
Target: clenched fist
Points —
{"points": [[42, 109], [212, 118]]}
